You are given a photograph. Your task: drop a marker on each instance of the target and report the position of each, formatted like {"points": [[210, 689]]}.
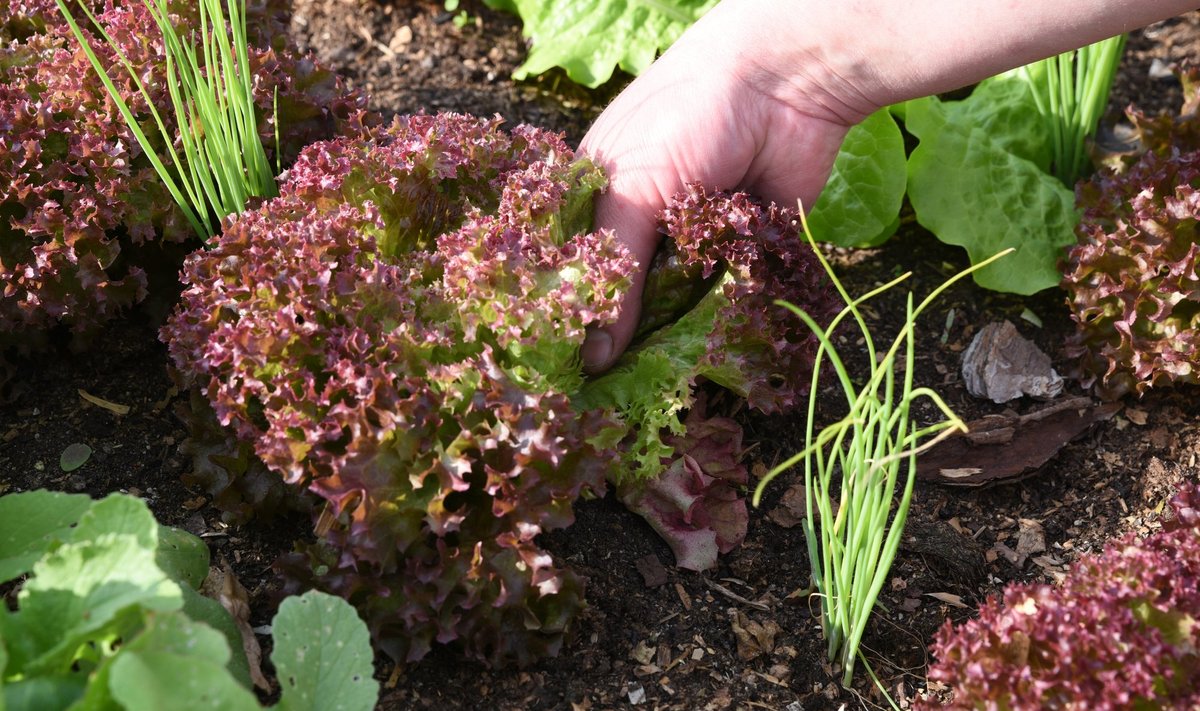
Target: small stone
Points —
{"points": [[1160, 70], [401, 38], [1001, 365], [636, 694]]}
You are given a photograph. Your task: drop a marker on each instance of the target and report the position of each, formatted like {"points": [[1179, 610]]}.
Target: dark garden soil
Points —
{"points": [[737, 637]]}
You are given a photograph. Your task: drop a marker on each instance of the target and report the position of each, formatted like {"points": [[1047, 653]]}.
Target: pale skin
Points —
{"points": [[759, 94]]}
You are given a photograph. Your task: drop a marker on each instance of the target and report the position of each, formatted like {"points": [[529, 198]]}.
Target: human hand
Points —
{"points": [[715, 110], [759, 94]]}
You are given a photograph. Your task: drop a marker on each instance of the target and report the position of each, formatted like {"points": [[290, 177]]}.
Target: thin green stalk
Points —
{"points": [[1071, 91], [198, 220], [851, 549], [208, 78]]}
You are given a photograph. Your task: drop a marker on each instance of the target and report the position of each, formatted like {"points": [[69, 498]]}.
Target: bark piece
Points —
{"points": [[1001, 448], [753, 638], [652, 570]]}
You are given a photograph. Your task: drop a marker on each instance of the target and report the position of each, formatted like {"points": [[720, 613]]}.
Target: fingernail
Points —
{"points": [[597, 349]]}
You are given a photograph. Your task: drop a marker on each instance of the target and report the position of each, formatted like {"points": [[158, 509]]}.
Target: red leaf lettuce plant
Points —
{"points": [[1132, 280], [85, 223], [1120, 632], [399, 331]]}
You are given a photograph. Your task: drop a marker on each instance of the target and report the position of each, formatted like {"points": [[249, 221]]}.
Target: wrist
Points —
{"points": [[794, 54]]}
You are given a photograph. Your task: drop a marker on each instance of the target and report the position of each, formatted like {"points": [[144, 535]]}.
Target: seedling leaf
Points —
{"points": [[48, 692], [182, 556], [207, 610], [177, 664], [117, 514], [322, 655], [84, 589], [74, 456]]}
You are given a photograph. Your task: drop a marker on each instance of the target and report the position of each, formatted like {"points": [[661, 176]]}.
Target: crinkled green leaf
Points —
{"points": [[94, 586], [177, 664], [182, 556], [590, 39], [1003, 107], [32, 523], [114, 515], [322, 655], [860, 205], [971, 190]]}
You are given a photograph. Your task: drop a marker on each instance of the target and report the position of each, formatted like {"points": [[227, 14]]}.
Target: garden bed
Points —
{"points": [[736, 637]]}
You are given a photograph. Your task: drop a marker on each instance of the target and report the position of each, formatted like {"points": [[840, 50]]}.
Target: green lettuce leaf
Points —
{"points": [[32, 523], [977, 179], [178, 664], [590, 39], [860, 205], [95, 586]]}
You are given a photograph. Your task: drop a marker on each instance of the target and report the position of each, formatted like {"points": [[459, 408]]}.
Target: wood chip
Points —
{"points": [[684, 598], [224, 587], [949, 599], [717, 587], [115, 408], [1001, 448], [754, 638]]}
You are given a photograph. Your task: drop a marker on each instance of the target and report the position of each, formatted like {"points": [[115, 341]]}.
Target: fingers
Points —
{"points": [[635, 225]]}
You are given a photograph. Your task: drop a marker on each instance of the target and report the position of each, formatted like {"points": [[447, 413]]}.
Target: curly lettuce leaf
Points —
{"points": [[695, 504], [708, 316], [591, 39]]}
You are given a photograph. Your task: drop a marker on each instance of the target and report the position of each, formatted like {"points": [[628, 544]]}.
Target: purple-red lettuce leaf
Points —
{"points": [[1132, 280], [1121, 631], [87, 228], [710, 316], [696, 504], [398, 332]]}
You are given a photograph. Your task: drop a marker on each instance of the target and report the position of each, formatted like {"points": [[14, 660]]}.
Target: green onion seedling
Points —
{"points": [[1071, 91], [851, 543], [223, 162]]}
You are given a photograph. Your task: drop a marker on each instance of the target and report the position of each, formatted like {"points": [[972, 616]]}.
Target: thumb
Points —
{"points": [[635, 226]]}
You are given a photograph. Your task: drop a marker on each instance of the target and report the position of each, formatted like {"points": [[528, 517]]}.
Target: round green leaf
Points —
{"points": [[322, 655], [33, 522]]}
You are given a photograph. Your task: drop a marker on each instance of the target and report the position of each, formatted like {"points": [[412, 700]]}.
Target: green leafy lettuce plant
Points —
{"points": [[852, 467], [992, 171], [109, 617], [209, 79], [591, 39]]}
